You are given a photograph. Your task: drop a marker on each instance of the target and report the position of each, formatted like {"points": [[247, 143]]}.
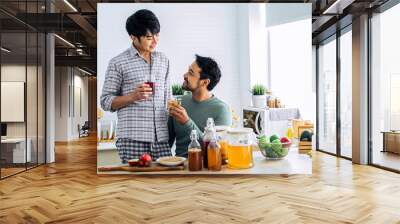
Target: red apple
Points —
{"points": [[145, 160], [141, 163], [145, 157], [147, 163], [285, 140]]}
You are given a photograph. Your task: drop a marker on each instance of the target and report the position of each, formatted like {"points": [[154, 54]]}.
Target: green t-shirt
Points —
{"points": [[198, 113]]}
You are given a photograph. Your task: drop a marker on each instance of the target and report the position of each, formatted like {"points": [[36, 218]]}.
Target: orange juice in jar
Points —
{"points": [[239, 150], [222, 141], [240, 156], [224, 150]]}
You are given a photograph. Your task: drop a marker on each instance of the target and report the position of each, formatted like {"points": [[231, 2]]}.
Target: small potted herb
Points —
{"points": [[259, 97], [177, 91]]}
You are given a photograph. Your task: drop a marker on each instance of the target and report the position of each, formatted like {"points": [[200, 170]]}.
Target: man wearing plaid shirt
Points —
{"points": [[141, 108]]}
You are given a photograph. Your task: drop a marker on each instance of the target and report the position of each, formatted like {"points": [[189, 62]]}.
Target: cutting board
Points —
{"points": [[140, 169]]}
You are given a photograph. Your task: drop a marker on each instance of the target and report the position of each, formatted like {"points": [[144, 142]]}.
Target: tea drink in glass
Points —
{"points": [[195, 159], [214, 156], [194, 153], [209, 133], [222, 141], [151, 85], [224, 150]]}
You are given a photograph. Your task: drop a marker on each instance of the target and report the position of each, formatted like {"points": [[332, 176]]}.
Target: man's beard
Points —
{"points": [[186, 87]]}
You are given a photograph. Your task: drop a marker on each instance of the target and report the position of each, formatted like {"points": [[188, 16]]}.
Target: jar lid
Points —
{"points": [[221, 128], [240, 130]]}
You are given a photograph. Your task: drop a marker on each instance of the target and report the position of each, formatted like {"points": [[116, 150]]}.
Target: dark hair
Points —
{"points": [[209, 70], [141, 22]]}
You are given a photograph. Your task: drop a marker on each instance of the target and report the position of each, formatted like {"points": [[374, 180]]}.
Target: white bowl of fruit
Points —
{"points": [[274, 147]]}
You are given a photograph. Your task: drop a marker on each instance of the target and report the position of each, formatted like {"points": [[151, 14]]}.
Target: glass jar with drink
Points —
{"points": [[214, 154], [222, 141], [240, 151], [194, 153], [151, 85], [209, 133]]}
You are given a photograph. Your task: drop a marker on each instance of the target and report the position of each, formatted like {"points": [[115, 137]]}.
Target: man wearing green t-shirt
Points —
{"points": [[203, 75]]}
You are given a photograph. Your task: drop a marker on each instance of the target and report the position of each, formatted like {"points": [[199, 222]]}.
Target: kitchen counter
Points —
{"points": [[294, 163]]}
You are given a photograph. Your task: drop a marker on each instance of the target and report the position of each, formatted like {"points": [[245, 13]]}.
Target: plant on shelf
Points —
{"points": [[259, 89], [259, 97]]}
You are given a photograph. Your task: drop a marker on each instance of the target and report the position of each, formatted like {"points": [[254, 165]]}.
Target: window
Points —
{"points": [[385, 89], [22, 66], [327, 96], [346, 93]]}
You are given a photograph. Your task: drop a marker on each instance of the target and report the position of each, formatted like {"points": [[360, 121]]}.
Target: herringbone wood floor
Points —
{"points": [[69, 191]]}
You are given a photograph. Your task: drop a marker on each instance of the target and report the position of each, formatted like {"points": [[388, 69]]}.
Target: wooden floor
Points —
{"points": [[10, 171], [387, 159], [5, 172], [69, 191]]}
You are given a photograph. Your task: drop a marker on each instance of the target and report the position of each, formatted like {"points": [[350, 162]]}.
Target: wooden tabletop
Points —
{"points": [[391, 132]]}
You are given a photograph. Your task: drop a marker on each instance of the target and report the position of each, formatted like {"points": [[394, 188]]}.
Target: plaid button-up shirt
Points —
{"points": [[146, 120]]}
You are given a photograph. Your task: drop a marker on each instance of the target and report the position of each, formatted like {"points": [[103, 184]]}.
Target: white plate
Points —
{"points": [[163, 161]]}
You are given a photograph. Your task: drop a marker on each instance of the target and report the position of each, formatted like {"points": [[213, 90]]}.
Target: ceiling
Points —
{"points": [[329, 16], [75, 21]]}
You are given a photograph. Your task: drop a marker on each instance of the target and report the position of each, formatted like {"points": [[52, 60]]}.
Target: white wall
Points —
{"points": [[79, 117], [33, 126], [66, 120], [50, 94], [257, 44], [61, 103], [13, 75], [242, 20], [289, 37], [17, 73], [253, 58]]}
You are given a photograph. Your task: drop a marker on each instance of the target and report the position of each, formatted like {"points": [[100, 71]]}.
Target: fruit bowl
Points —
{"points": [[273, 150]]}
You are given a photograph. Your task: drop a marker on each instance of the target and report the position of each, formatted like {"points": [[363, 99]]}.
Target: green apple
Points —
{"points": [[273, 137]]}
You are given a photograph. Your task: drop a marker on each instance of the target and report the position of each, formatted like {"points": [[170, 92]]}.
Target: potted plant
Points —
{"points": [[177, 91], [259, 97]]}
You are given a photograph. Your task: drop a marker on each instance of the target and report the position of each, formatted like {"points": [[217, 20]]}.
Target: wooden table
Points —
{"points": [[391, 141], [294, 163]]}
